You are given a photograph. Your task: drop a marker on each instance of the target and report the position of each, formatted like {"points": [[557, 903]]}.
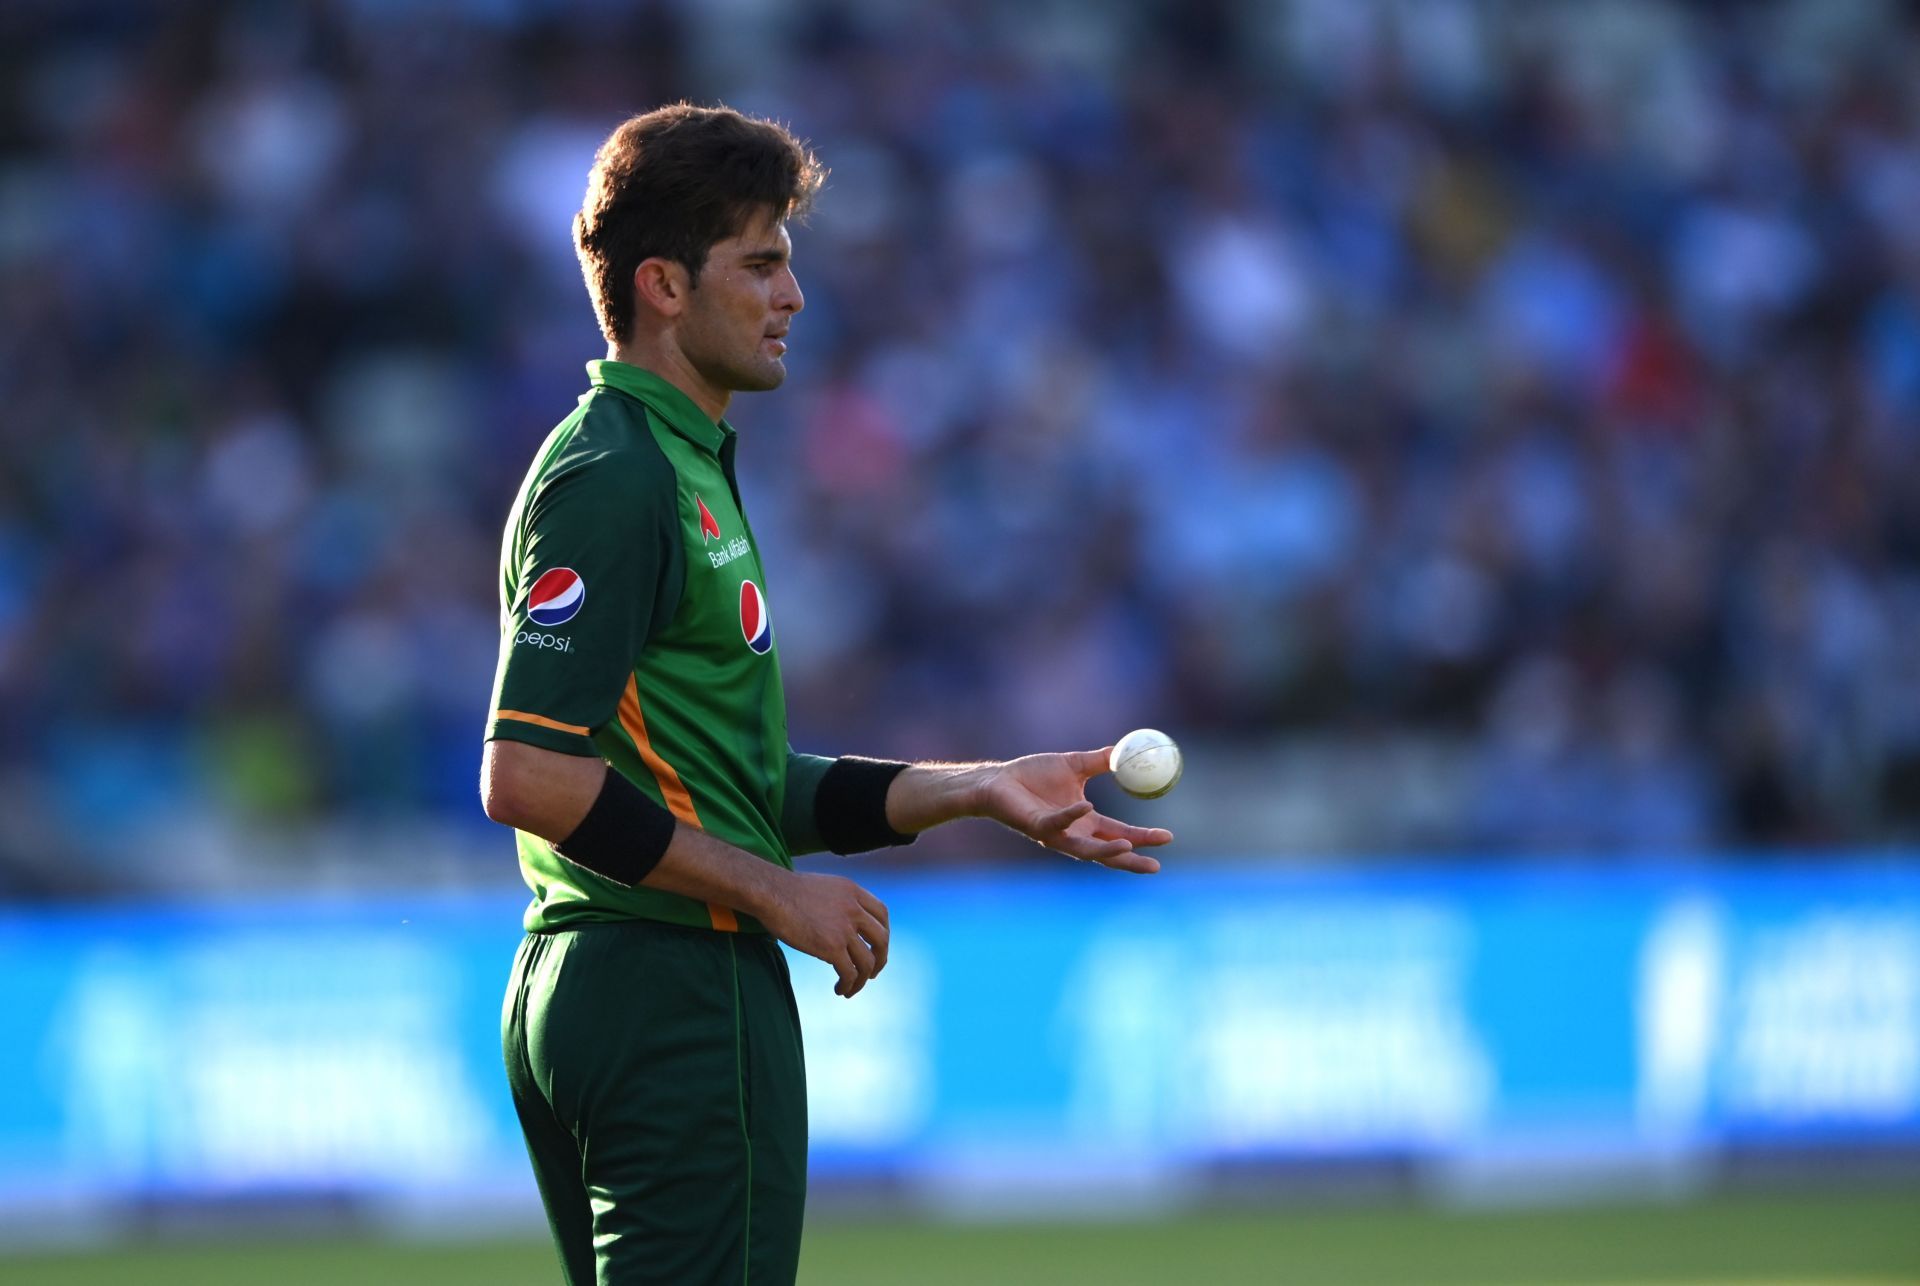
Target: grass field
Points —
{"points": [[1829, 1238]]}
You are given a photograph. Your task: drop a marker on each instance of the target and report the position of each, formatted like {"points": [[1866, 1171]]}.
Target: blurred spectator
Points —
{"points": [[1546, 381]]}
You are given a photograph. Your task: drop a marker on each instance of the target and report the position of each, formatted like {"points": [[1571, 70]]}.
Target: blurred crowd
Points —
{"points": [[1536, 380]]}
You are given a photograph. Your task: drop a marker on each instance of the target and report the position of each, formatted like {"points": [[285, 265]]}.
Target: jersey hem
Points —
{"points": [[694, 915]]}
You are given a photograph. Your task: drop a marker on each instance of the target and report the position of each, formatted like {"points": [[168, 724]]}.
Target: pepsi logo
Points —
{"points": [[755, 624], [556, 597]]}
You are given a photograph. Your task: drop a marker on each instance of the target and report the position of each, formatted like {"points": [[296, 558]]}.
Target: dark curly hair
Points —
{"points": [[672, 183]]}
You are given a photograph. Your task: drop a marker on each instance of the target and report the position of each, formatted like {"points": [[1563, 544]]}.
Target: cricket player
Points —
{"points": [[637, 744]]}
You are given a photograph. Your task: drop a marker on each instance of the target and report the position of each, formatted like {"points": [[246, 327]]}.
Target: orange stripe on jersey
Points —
{"points": [[672, 789], [541, 720]]}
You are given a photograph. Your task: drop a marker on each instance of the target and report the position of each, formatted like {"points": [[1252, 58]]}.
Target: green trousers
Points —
{"points": [[658, 1076]]}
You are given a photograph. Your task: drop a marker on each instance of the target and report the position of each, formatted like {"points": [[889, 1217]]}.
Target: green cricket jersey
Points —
{"points": [[634, 626]]}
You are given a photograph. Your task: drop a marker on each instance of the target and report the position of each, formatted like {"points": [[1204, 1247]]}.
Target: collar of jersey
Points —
{"points": [[673, 406]]}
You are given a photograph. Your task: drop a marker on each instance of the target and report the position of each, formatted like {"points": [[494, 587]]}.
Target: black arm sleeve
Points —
{"points": [[623, 836], [851, 806]]}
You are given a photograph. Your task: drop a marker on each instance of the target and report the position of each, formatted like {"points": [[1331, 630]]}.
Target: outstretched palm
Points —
{"points": [[1044, 797]]}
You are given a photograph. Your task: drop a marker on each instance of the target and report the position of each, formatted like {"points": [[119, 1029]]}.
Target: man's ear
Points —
{"points": [[663, 285]]}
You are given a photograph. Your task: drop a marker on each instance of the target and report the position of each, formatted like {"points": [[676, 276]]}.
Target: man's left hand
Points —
{"points": [[1044, 797]]}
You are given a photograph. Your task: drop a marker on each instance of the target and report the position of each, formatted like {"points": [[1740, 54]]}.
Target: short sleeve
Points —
{"points": [[597, 571]]}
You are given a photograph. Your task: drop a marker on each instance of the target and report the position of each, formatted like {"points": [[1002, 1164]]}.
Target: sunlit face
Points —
{"points": [[735, 318]]}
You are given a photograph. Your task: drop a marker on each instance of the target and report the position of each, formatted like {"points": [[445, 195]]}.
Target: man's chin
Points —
{"points": [[761, 377], [759, 374]]}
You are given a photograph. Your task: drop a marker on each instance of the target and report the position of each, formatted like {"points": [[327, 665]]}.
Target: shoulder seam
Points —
{"points": [[642, 454]]}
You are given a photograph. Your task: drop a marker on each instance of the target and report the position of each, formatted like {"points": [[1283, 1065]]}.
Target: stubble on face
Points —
{"points": [[746, 297]]}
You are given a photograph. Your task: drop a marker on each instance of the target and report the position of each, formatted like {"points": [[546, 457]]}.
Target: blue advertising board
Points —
{"points": [[1058, 1028]]}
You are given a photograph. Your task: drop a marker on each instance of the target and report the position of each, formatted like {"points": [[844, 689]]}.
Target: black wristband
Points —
{"points": [[851, 806], [623, 836]]}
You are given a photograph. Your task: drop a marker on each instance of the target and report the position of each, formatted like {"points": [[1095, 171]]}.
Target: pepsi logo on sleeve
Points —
{"points": [[556, 597], [755, 624]]}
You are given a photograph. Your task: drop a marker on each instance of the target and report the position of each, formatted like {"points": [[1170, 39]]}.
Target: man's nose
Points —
{"points": [[790, 299]]}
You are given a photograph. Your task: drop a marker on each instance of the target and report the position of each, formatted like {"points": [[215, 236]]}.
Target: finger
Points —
{"points": [[1136, 863], [872, 905], [1090, 763], [863, 962], [877, 936], [849, 979], [1061, 818], [1107, 828], [1089, 849]]}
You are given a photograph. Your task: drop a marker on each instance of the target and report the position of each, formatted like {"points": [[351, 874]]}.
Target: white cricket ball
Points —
{"points": [[1146, 763]]}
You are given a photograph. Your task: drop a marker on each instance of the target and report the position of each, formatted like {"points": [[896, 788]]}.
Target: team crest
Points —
{"points": [[556, 597], [755, 625]]}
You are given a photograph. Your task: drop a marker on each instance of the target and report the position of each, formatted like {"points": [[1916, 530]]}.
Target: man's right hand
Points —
{"points": [[832, 919]]}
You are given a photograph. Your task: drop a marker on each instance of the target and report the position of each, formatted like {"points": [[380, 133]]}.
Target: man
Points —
{"points": [[638, 745]]}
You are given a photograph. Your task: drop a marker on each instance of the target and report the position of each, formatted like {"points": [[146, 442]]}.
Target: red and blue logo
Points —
{"points": [[755, 624], [556, 597]]}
